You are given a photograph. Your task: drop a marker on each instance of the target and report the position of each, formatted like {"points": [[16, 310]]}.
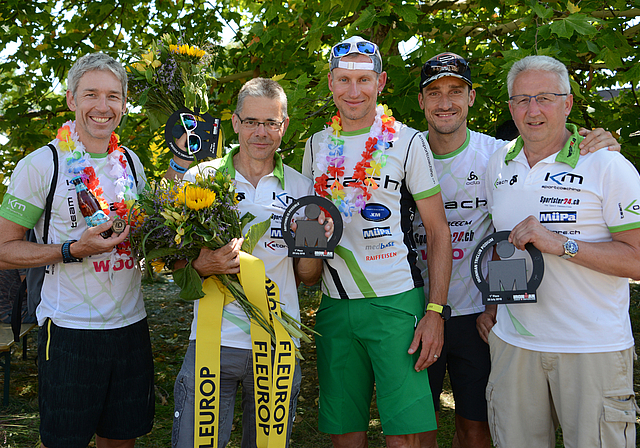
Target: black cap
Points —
{"points": [[445, 64]]}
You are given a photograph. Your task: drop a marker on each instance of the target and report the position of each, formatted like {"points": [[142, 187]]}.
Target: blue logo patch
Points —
{"points": [[375, 212], [558, 217]]}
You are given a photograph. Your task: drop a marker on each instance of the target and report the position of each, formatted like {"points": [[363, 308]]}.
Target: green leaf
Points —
{"points": [[189, 282], [581, 24], [254, 234]]}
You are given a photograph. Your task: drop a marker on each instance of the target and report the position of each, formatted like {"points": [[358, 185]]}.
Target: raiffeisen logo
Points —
{"points": [[558, 216]]}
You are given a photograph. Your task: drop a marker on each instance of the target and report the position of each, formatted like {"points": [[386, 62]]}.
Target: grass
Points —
{"points": [[169, 321]]}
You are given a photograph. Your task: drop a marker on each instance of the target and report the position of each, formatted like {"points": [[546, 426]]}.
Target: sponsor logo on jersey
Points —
{"points": [[276, 233], [16, 205], [460, 223], [282, 200], [72, 212], [564, 178], [103, 265], [558, 217], [512, 181], [380, 246], [472, 179], [277, 218], [240, 196], [452, 205], [559, 200], [376, 232], [458, 237], [387, 183], [379, 257], [633, 208], [274, 246], [375, 212], [567, 232]]}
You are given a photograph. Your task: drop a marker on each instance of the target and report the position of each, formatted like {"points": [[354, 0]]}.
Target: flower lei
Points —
{"points": [[330, 162], [79, 164]]}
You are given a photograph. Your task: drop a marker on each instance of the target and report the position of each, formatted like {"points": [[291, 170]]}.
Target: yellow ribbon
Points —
{"points": [[273, 377]]}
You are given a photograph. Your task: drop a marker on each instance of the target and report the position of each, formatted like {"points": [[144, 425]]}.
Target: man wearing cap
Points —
{"points": [[460, 158], [372, 318]]}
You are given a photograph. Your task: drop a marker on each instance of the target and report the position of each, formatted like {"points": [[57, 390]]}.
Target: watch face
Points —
{"points": [[446, 312], [571, 247]]}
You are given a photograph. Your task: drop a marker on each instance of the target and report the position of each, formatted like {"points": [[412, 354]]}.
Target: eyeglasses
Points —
{"points": [[362, 47], [542, 99], [453, 65], [269, 125], [194, 143]]}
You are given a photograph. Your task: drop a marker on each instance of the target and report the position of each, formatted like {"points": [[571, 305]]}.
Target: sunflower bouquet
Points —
{"points": [[170, 76], [173, 220]]}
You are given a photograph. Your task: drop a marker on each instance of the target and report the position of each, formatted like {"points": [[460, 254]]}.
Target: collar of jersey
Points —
{"points": [[227, 163], [569, 154], [354, 133], [454, 153]]}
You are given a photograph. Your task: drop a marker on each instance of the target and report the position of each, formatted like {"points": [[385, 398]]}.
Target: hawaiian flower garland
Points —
{"points": [[330, 162], [79, 164]]}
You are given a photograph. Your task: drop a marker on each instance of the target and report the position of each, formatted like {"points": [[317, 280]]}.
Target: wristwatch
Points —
{"points": [[570, 249], [443, 310], [66, 253]]}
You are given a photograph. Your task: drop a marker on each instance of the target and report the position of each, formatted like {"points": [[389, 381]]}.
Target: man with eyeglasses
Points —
{"points": [[567, 359], [460, 158], [264, 188], [372, 317]]}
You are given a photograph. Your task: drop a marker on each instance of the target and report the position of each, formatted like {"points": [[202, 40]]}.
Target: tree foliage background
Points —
{"points": [[290, 41]]}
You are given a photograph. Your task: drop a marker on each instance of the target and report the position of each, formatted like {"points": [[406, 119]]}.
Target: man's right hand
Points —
{"points": [[485, 321], [92, 243], [225, 260]]}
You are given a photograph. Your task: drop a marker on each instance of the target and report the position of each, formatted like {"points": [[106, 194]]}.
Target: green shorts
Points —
{"points": [[365, 341]]}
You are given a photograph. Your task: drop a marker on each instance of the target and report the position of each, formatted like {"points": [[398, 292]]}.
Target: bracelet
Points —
{"points": [[177, 168], [66, 253]]}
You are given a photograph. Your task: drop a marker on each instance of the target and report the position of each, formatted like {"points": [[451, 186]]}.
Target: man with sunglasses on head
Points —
{"points": [[568, 358], [461, 156], [264, 188], [372, 320]]}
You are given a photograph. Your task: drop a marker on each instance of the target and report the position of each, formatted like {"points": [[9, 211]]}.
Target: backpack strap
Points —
{"points": [[16, 311], [52, 190], [131, 165]]}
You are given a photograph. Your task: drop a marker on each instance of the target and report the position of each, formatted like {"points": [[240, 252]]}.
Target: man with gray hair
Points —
{"points": [[264, 188], [95, 366], [568, 358]]}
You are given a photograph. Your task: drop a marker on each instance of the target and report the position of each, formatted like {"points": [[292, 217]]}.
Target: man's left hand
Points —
{"points": [[429, 332], [596, 140]]}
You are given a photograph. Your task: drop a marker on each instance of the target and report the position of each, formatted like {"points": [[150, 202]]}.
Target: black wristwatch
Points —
{"points": [[443, 310], [66, 253]]}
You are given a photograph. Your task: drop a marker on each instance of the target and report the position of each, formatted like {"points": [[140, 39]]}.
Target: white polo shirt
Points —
{"points": [[587, 198]]}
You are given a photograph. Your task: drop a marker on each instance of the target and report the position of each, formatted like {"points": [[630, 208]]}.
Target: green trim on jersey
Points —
{"points": [[95, 155], [355, 133], [454, 153], [427, 194], [236, 321], [20, 212], [568, 154], [622, 228], [517, 325], [227, 163], [360, 279]]}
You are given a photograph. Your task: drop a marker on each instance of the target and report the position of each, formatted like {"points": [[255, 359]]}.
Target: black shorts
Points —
{"points": [[94, 382], [467, 358]]}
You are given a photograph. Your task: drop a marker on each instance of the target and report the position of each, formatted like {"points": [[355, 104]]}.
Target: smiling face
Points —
{"points": [[446, 103], [355, 93], [543, 126], [99, 104], [259, 144]]}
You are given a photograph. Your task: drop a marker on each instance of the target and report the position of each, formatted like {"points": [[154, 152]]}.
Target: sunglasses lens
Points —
{"points": [[341, 50], [194, 143], [189, 121], [366, 47]]}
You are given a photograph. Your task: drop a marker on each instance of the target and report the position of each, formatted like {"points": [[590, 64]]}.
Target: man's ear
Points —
{"points": [[70, 101]]}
